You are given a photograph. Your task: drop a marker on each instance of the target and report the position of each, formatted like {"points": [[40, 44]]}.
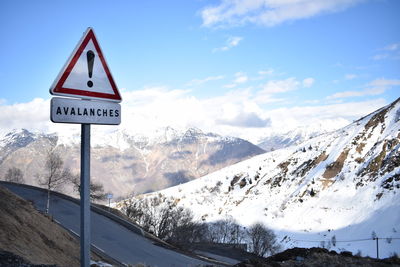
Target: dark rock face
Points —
{"points": [[233, 150]]}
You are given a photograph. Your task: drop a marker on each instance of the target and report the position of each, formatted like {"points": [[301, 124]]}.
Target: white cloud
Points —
{"points": [[347, 94], [197, 82], [380, 56], [312, 114], [234, 41], [247, 120], [236, 113], [263, 74], [280, 86], [390, 52], [392, 47], [383, 84], [376, 87], [308, 82], [272, 87], [314, 101], [229, 86], [230, 43], [267, 99], [350, 76], [268, 12], [241, 77], [268, 72], [34, 115]]}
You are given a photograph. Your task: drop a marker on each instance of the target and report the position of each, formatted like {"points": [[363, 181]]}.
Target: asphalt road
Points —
{"points": [[113, 238]]}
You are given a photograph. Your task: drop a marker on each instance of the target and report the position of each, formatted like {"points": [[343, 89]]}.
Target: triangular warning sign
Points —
{"points": [[86, 74]]}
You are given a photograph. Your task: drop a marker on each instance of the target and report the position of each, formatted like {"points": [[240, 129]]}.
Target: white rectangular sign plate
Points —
{"points": [[67, 110]]}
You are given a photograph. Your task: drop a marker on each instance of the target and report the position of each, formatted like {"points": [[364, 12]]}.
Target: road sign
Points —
{"points": [[68, 110], [86, 73]]}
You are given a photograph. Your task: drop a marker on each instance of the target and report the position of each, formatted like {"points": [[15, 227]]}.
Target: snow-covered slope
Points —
{"points": [[342, 185]]}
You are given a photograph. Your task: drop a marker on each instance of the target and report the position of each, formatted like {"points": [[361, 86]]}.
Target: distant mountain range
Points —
{"points": [[291, 138], [126, 163], [277, 138], [338, 190]]}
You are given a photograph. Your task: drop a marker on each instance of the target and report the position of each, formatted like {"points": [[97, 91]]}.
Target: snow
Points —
{"points": [[280, 137], [340, 207]]}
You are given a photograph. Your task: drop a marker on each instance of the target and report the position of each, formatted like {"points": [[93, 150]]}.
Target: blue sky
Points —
{"points": [[246, 60]]}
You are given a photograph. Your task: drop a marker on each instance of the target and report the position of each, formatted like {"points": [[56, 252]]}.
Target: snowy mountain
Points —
{"points": [[336, 190], [125, 162], [19, 139], [277, 139]]}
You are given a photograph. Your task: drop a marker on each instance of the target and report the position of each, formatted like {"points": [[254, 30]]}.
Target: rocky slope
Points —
{"points": [[123, 162], [337, 190]]}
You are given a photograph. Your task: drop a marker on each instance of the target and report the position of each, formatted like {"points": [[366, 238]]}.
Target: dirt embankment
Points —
{"points": [[33, 236]]}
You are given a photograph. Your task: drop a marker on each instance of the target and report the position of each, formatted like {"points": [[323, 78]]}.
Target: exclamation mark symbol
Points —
{"points": [[90, 60]]}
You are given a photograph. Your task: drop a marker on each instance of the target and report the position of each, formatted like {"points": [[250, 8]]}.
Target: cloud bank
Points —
{"points": [[268, 13], [236, 113], [376, 87]]}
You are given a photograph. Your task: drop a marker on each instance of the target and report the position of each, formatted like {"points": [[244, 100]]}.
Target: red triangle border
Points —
{"points": [[59, 89]]}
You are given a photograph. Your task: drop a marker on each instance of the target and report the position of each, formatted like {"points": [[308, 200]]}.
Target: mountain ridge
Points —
{"points": [[123, 162]]}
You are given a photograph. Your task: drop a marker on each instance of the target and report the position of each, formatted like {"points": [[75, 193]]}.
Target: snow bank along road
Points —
{"points": [[110, 236]]}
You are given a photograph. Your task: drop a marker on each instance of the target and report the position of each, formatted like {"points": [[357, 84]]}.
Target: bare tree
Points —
{"points": [[14, 175], [132, 209], [161, 216], [238, 233], [164, 220], [145, 212], [55, 175], [263, 240], [96, 189], [184, 230], [97, 192], [226, 231], [219, 231]]}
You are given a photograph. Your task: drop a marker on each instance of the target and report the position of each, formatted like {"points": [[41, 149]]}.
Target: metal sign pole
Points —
{"points": [[85, 195]]}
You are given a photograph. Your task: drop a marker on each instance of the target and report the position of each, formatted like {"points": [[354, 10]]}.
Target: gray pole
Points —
{"points": [[85, 195], [377, 248]]}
